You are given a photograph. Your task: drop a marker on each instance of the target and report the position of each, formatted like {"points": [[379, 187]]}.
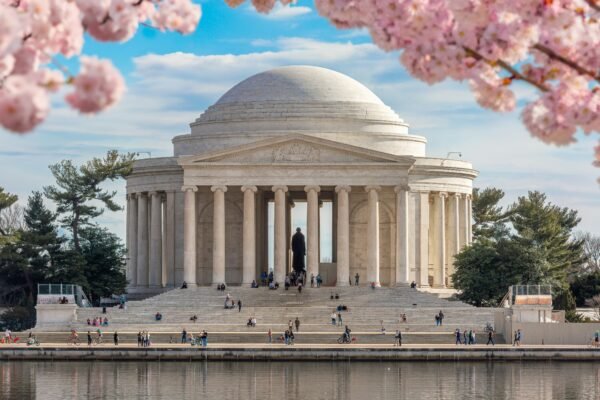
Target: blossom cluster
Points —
{"points": [[33, 33], [553, 45]]}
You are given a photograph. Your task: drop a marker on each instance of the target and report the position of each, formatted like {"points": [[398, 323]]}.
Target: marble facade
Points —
{"points": [[296, 134]]}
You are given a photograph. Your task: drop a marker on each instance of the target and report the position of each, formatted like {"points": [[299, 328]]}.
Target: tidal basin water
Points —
{"points": [[299, 380]]}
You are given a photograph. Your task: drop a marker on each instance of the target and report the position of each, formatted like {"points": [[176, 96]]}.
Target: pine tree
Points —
{"points": [[76, 188], [490, 219], [548, 229]]}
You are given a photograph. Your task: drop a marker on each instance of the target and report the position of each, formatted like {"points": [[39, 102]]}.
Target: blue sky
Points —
{"points": [[171, 79]]}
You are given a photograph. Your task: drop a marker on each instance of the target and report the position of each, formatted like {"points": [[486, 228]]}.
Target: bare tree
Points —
{"points": [[591, 250], [594, 303], [11, 220]]}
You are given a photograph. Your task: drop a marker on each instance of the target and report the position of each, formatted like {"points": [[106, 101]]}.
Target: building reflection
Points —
{"points": [[299, 380]]}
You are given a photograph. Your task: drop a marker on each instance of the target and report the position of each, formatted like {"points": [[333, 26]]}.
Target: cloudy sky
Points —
{"points": [[171, 79]]}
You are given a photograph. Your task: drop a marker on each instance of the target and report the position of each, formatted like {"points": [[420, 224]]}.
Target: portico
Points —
{"points": [[201, 216]]}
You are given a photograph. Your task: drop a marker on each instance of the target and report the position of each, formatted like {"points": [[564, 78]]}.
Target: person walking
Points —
{"points": [[339, 318], [398, 338], [270, 336], [116, 338], [240, 305], [183, 336], [297, 323], [319, 280], [441, 315], [139, 339], [491, 338], [356, 278], [312, 280], [519, 337], [457, 334], [89, 338], [465, 336], [333, 318]]}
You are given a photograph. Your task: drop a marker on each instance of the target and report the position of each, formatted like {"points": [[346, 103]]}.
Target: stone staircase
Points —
{"points": [[274, 308]]}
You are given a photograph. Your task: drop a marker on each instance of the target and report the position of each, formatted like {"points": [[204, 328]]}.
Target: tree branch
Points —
{"points": [[552, 54], [593, 4], [507, 67]]}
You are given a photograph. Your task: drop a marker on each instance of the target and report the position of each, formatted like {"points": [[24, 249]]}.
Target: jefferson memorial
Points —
{"points": [[289, 135]]}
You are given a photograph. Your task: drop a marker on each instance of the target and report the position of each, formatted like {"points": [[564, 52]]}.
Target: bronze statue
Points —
{"points": [[299, 251]]}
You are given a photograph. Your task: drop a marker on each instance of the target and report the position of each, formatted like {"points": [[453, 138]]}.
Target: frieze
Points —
{"points": [[296, 152]]}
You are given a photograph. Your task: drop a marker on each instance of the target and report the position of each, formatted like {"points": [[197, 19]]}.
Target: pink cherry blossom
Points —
{"points": [[177, 15], [34, 32], [11, 32], [98, 86], [263, 6], [23, 104]]}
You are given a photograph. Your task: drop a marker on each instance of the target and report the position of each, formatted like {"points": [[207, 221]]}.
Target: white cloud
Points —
{"points": [[280, 12], [167, 92]]}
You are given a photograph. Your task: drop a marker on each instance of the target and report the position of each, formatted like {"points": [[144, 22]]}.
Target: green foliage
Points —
{"points": [[77, 188], [489, 218], [18, 318], [485, 270], [530, 242], [585, 287], [549, 228], [104, 256]]}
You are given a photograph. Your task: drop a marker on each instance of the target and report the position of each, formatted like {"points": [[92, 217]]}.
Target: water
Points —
{"points": [[299, 380]]}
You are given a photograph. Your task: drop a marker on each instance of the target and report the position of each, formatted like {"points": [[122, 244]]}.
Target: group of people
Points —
{"points": [[230, 303], [98, 321], [315, 280], [143, 339], [251, 322], [221, 287], [295, 278], [468, 337], [200, 340], [63, 300], [336, 318], [439, 318], [8, 337]]}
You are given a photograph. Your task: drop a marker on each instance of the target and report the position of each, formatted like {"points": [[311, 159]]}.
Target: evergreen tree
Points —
{"points": [[104, 256], [76, 189], [489, 218], [485, 270], [548, 229]]}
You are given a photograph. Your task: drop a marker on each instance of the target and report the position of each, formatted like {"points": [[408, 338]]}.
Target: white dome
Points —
{"points": [[299, 84], [300, 99]]}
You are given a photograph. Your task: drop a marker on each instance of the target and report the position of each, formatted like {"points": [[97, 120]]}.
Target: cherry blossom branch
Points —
{"points": [[555, 56], [593, 4], [515, 74]]}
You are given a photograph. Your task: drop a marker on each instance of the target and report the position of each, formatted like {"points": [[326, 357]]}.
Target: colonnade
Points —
{"points": [[441, 220]]}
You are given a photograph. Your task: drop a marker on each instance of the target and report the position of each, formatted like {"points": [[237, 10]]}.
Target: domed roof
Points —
{"points": [[298, 93], [299, 84], [300, 100]]}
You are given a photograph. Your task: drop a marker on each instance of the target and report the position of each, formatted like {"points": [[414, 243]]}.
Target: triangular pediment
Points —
{"points": [[295, 149]]}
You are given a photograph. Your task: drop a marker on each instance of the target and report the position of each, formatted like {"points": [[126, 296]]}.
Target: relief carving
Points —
{"points": [[296, 152]]}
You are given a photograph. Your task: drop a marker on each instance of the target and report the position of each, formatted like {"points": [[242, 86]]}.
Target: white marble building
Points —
{"points": [[296, 133]]}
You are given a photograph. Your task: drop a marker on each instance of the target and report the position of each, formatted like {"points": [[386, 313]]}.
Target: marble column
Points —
{"points": [[249, 237], [453, 240], [169, 238], [312, 222], [132, 238], [469, 219], [142, 240], [218, 275], [343, 235], [155, 275], [402, 271], [439, 268], [466, 221], [422, 239], [280, 240], [189, 235], [373, 235]]}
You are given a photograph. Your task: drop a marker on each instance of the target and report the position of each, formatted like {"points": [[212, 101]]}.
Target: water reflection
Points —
{"points": [[300, 380]]}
